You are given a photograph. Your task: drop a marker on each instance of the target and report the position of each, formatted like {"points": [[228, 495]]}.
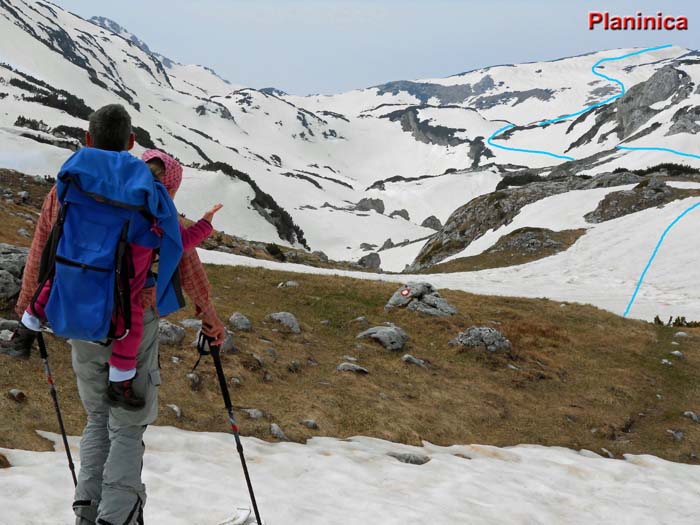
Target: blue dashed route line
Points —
{"points": [[653, 255], [584, 110]]}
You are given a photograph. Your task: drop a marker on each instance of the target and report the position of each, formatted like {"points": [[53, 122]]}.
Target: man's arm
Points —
{"points": [[196, 285], [30, 279]]}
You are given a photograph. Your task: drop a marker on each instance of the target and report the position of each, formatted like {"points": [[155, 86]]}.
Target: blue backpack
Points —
{"points": [[107, 201]]}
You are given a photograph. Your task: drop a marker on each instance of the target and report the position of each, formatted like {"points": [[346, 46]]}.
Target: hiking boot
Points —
{"points": [[20, 345], [121, 393]]}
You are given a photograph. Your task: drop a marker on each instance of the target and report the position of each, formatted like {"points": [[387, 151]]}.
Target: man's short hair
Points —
{"points": [[110, 128]]}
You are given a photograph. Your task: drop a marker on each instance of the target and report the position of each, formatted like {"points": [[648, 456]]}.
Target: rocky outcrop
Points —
{"points": [[634, 109], [491, 211], [647, 194], [685, 120], [527, 240], [367, 204]]}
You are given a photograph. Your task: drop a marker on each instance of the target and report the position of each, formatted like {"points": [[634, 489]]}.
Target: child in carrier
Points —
{"points": [[122, 363]]}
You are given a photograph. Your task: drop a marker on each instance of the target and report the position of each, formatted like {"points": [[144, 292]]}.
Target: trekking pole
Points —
{"points": [[229, 407], [49, 379]]}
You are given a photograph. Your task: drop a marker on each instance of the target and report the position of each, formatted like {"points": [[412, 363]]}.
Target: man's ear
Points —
{"points": [[88, 140], [132, 140]]}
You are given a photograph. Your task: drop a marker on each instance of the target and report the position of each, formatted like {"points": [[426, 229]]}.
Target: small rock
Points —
{"points": [[23, 233], [24, 195], [259, 360], [674, 343], [277, 433], [169, 333], [350, 358], [666, 362], [482, 337], [677, 435], [176, 410], [410, 458], [288, 284], [267, 377], [382, 395], [254, 413], [677, 353], [175, 360], [272, 353], [287, 320], [368, 204], [311, 362], [351, 367], [433, 223], [17, 395], [608, 453], [294, 367], [513, 367], [388, 245], [692, 415], [409, 359], [236, 381], [195, 324], [4, 462], [390, 337], [360, 320], [310, 423], [325, 322], [681, 334], [240, 323], [5, 335], [195, 380]]}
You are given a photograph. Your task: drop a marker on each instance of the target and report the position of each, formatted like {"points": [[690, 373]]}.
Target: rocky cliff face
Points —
{"points": [[497, 209]]}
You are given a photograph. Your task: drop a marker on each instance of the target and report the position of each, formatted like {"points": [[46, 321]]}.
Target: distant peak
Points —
{"points": [[114, 27]]}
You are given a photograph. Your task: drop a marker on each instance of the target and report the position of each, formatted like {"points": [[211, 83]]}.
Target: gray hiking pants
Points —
{"points": [[110, 490]]}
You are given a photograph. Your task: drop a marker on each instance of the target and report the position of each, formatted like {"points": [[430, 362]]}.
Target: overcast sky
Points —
{"points": [[315, 46]]}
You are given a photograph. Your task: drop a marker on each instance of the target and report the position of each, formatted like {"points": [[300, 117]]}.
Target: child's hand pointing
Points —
{"points": [[209, 216]]}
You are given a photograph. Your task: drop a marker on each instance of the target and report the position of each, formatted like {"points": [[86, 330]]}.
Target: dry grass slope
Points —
{"points": [[579, 377]]}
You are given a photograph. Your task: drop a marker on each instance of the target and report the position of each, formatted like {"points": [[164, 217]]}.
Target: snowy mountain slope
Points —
{"points": [[304, 152], [195, 478]]}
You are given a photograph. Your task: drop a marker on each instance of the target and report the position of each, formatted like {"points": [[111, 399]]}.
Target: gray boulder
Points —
{"points": [[321, 256], [390, 337], [277, 433], [370, 204], [8, 324], [287, 320], [420, 297], [400, 213], [432, 222], [482, 337], [240, 323], [9, 285], [371, 261], [192, 323], [169, 333]]}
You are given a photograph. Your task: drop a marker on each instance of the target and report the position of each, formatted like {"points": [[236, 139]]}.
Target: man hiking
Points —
{"points": [[110, 490]]}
